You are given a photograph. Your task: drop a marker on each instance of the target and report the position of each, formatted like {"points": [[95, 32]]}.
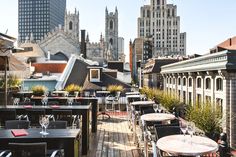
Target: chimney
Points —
{"points": [[230, 41], [83, 44]]}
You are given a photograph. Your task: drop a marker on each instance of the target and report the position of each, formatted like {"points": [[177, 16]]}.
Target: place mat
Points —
{"points": [[19, 132], [28, 106], [55, 106]]}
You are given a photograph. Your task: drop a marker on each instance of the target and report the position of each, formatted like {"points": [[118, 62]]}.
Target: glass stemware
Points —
{"points": [[159, 108], [183, 127], [70, 101], [44, 101], [191, 128], [44, 122], [16, 101], [155, 107]]}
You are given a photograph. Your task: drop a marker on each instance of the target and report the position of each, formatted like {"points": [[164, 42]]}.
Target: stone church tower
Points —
{"points": [[111, 35], [71, 25]]}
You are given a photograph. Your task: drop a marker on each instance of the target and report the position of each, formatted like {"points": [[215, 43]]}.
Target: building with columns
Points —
{"points": [[211, 77]]}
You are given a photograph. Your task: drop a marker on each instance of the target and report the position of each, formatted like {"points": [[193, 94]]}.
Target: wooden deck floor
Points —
{"points": [[113, 139]]}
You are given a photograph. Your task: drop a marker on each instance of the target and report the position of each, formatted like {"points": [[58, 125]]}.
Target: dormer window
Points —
{"points": [[94, 75]]}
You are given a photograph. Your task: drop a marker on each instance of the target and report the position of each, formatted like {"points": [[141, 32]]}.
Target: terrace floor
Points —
{"points": [[113, 138]]}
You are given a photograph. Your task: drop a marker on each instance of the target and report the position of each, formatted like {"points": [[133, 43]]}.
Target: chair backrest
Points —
{"points": [[65, 115], [27, 103], [17, 124], [34, 115], [7, 114], [53, 103], [28, 149], [163, 130], [146, 110], [57, 125]]}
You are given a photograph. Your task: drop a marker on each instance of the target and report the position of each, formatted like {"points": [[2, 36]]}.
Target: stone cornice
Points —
{"points": [[221, 60]]}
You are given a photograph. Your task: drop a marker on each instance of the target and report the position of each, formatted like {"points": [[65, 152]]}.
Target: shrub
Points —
{"points": [[73, 88], [206, 117], [12, 81], [39, 90], [115, 88]]}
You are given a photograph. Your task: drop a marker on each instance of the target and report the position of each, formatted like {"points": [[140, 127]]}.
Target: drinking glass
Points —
{"points": [[159, 108], [44, 101], [16, 101], [191, 128], [155, 107], [183, 127], [46, 123], [41, 122], [70, 101]]}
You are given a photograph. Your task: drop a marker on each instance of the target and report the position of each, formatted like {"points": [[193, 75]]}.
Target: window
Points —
{"points": [[70, 25], [208, 83], [199, 99], [199, 81], [219, 84], [184, 81], [208, 99], [190, 82], [94, 75], [190, 98], [111, 24], [179, 81]]}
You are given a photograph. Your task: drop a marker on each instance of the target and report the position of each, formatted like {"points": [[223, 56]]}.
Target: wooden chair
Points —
{"points": [[31, 150], [57, 125], [17, 124]]}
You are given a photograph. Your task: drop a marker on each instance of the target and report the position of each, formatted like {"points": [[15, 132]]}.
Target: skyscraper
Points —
{"points": [[159, 21], [38, 17]]}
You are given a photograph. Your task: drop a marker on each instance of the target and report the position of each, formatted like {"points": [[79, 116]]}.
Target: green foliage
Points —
{"points": [[73, 88], [12, 81], [115, 88], [39, 89], [206, 117], [168, 101]]}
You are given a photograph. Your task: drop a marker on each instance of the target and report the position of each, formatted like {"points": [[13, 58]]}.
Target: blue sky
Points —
{"points": [[207, 22]]}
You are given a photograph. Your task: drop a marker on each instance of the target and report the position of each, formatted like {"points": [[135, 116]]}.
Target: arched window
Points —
{"points": [[208, 83], [199, 83], [179, 81], [111, 41], [148, 13], [70, 25], [184, 81], [219, 84], [111, 24], [190, 82]]}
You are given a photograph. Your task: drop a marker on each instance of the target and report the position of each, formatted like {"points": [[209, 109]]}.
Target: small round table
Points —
{"points": [[187, 146], [157, 117]]}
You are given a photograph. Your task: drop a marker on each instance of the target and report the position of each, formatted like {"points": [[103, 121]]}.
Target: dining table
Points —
{"points": [[66, 139], [185, 145], [83, 110]]}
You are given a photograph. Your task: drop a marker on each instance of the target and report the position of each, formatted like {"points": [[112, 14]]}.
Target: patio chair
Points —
{"points": [[161, 131], [116, 102], [17, 124], [65, 115], [57, 124], [32, 150], [7, 114], [34, 115]]}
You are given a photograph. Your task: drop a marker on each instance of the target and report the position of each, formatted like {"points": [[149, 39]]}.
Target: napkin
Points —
{"points": [[28, 106], [55, 106], [19, 132]]}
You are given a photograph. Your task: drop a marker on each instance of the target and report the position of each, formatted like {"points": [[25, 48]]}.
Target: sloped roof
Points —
{"points": [[229, 44], [30, 50]]}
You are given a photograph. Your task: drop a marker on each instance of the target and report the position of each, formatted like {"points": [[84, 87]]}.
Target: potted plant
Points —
{"points": [[39, 90], [72, 88], [114, 89]]}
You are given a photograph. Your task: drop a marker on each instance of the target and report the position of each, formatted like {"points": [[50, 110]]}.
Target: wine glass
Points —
{"points": [[155, 107], [183, 127], [159, 108], [70, 101], [191, 127], [16, 101], [44, 101], [41, 122], [46, 123]]}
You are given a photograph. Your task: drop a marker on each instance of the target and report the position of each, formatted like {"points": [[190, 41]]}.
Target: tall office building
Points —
{"points": [[38, 17], [159, 22]]}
